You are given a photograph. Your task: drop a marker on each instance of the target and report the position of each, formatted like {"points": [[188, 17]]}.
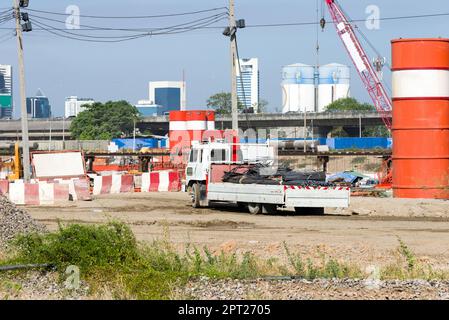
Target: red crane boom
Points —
{"points": [[361, 61]]}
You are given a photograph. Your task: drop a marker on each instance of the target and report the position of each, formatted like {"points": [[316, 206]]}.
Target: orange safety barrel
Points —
{"points": [[420, 118], [179, 138], [196, 124]]}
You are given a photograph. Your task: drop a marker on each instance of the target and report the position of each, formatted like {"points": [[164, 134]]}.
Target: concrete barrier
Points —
{"points": [[113, 184], [161, 181], [4, 187], [41, 193], [79, 189]]}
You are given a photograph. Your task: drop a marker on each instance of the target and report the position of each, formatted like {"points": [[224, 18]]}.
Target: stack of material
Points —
{"points": [[350, 178], [15, 221], [282, 176]]}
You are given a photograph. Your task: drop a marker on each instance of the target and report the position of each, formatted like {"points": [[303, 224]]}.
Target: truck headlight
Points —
{"points": [[189, 171]]}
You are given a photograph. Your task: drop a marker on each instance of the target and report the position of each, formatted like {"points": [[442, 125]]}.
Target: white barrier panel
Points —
{"points": [[164, 181], [98, 183], [46, 193], [17, 192], [116, 184], [145, 182]]}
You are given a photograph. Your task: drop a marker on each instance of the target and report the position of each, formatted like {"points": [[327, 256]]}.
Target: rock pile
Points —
{"points": [[15, 221]]}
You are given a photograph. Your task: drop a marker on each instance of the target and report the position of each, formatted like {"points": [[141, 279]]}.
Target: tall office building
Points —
{"points": [[74, 105], [248, 83], [6, 100], [38, 107], [171, 95]]}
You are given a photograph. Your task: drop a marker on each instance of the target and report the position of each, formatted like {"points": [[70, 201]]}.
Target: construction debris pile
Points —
{"points": [[15, 221], [258, 174]]}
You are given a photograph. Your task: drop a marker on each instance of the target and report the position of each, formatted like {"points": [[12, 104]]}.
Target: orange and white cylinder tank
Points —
{"points": [[420, 118]]}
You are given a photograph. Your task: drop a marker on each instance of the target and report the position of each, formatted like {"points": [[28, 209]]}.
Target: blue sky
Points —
{"points": [[62, 67]]}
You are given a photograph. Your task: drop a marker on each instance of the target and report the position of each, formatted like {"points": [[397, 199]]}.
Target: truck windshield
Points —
{"points": [[193, 156]]}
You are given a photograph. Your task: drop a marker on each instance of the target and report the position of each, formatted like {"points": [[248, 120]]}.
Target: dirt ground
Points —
{"points": [[367, 233]]}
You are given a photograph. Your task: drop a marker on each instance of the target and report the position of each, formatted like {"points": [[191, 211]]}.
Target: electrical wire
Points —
{"points": [[7, 39], [49, 30], [99, 28], [356, 20], [134, 17], [73, 36], [254, 25]]}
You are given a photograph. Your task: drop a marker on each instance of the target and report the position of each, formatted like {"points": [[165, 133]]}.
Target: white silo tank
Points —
{"points": [[334, 83], [298, 88]]}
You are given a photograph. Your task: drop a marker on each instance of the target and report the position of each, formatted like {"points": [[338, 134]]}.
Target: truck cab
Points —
{"points": [[203, 155]]}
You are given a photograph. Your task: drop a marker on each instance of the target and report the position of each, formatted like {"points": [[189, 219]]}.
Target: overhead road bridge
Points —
{"points": [[323, 123]]}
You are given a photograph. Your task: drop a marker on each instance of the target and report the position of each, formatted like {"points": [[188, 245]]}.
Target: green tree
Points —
{"points": [[376, 131], [222, 103], [105, 121], [349, 104]]}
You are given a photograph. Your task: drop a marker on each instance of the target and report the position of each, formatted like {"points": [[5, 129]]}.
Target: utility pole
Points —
{"points": [[23, 107], [233, 29], [231, 32], [305, 130], [49, 141], [134, 135], [360, 125]]}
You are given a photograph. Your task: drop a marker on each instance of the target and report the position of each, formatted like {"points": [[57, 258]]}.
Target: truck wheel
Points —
{"points": [[309, 211], [196, 195], [254, 208]]}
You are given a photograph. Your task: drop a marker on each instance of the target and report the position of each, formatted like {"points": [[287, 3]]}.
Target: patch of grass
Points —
{"points": [[328, 269], [9, 289], [115, 266], [407, 266], [86, 246]]}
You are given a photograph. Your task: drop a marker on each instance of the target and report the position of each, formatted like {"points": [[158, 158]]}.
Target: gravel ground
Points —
{"points": [[320, 289], [15, 221], [35, 285]]}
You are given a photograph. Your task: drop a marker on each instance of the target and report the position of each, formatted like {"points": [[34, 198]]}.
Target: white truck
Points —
{"points": [[208, 163]]}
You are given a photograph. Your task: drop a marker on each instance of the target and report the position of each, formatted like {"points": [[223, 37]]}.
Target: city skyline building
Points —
{"points": [[38, 107], [248, 84], [171, 95], [74, 105], [148, 109], [6, 92]]}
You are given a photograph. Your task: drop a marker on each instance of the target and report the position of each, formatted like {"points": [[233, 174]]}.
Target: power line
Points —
{"points": [[74, 36], [92, 28], [7, 39], [357, 20], [134, 17], [86, 40], [99, 28]]}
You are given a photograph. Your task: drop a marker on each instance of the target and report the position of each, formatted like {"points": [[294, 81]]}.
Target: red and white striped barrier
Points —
{"points": [[315, 188], [37, 193], [162, 181], [79, 189], [113, 184]]}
